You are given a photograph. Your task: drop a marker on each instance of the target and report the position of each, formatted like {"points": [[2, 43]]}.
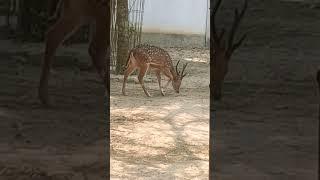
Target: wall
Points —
{"points": [[175, 16]]}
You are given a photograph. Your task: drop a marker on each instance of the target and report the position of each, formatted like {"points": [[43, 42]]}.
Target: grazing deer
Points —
{"points": [[222, 50], [145, 56], [74, 14]]}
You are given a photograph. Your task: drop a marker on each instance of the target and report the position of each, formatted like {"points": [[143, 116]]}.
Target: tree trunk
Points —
{"points": [[123, 41]]}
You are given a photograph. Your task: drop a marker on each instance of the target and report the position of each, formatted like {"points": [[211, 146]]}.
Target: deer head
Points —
{"points": [[222, 48], [177, 79]]}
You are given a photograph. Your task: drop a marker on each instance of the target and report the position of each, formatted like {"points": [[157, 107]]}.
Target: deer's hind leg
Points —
{"points": [[142, 72], [98, 51], [131, 67], [63, 28], [99, 48]]}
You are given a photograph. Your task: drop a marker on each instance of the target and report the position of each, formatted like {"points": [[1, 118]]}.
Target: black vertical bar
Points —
{"points": [[212, 110], [318, 80], [107, 94]]}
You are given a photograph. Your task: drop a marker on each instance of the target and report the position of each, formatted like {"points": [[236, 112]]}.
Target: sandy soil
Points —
{"points": [[266, 128]]}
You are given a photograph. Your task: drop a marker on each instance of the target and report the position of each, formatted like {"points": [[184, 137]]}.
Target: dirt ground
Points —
{"points": [[266, 126]]}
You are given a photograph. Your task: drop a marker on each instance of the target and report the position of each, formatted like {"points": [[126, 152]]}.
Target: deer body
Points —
{"points": [[74, 14], [143, 57]]}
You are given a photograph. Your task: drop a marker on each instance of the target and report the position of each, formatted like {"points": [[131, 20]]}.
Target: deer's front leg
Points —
{"points": [[98, 56], [159, 81], [55, 36], [169, 75], [99, 48], [142, 72]]}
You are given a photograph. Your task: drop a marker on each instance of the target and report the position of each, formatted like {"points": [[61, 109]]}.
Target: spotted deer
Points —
{"points": [[73, 15], [143, 57], [223, 47]]}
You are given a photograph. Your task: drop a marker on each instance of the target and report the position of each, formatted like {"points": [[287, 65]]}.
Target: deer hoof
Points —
{"points": [[163, 93], [124, 93], [44, 98], [43, 95]]}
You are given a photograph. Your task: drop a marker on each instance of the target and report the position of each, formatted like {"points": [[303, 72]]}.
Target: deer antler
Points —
{"points": [[223, 47], [178, 72], [184, 67], [217, 38], [237, 18]]}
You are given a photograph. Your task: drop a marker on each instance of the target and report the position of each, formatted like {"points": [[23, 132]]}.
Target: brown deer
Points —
{"points": [[143, 57], [74, 14], [222, 50]]}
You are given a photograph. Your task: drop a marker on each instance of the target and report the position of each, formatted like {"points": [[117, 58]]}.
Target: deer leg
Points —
{"points": [[127, 73], [168, 74], [98, 59], [142, 72], [100, 56], [54, 37], [158, 74], [99, 49]]}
